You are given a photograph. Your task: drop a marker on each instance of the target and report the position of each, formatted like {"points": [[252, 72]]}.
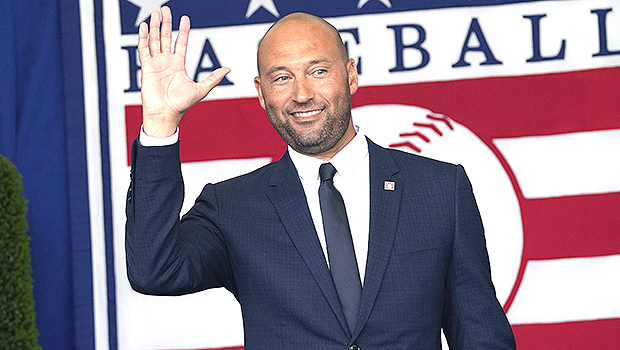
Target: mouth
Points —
{"points": [[306, 114]]}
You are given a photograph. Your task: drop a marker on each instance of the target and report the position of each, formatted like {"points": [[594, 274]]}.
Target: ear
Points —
{"points": [[352, 74], [261, 100]]}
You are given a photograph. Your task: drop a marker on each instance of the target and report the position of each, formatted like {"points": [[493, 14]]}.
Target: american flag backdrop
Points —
{"points": [[524, 94]]}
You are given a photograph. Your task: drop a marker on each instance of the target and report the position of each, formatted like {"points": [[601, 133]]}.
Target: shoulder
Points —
{"points": [[260, 177], [252, 179]]}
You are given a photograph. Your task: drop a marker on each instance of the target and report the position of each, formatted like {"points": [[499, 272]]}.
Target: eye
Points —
{"points": [[320, 72], [281, 79]]}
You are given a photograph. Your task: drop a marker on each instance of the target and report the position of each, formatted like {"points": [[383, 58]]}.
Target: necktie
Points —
{"points": [[342, 262]]}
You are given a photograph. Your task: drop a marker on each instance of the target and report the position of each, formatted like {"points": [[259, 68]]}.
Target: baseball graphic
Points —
{"points": [[420, 131]]}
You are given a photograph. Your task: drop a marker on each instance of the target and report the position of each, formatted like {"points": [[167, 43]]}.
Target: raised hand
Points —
{"points": [[167, 90]]}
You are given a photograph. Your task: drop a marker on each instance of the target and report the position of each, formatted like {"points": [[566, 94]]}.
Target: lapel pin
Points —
{"points": [[388, 185]]}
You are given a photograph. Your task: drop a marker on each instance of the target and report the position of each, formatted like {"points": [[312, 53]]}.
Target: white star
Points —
{"points": [[146, 7], [387, 3], [268, 5]]}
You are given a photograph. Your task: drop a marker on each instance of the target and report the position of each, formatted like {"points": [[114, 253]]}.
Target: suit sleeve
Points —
{"points": [[473, 318], [167, 256]]}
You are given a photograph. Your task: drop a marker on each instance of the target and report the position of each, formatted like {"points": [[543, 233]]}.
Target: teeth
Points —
{"points": [[306, 114]]}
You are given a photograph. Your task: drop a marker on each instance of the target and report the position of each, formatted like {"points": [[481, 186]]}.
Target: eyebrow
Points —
{"points": [[315, 61]]}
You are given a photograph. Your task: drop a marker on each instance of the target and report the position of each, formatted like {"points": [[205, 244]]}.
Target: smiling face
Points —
{"points": [[305, 85]]}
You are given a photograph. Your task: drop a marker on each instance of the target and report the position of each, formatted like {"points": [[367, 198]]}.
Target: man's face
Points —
{"points": [[305, 86]]}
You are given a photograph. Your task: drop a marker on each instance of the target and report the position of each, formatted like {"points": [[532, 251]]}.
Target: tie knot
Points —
{"points": [[327, 171]]}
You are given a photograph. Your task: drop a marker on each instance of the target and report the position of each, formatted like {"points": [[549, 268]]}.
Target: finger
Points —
{"points": [[154, 42], [166, 29], [180, 47], [205, 86], [143, 38]]}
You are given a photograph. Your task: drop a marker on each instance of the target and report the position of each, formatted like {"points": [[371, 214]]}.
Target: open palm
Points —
{"points": [[167, 90]]}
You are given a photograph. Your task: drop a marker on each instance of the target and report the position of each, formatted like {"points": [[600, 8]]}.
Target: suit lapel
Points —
{"points": [[289, 200], [384, 212]]}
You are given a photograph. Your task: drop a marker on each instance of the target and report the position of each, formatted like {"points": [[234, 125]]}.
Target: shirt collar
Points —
{"points": [[346, 161]]}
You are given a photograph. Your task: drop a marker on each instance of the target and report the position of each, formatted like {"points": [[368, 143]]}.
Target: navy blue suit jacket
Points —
{"points": [[427, 265]]}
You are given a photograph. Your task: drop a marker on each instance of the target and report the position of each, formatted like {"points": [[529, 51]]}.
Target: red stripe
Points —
{"points": [[576, 226], [567, 227], [223, 129], [490, 107], [587, 335], [514, 106]]}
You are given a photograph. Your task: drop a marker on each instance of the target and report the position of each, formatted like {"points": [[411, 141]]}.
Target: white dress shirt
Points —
{"points": [[352, 180]]}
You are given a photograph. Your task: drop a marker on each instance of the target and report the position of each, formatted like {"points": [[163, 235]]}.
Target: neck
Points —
{"points": [[342, 143]]}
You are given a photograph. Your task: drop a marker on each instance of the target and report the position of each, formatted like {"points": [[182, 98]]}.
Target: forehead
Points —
{"points": [[297, 42]]}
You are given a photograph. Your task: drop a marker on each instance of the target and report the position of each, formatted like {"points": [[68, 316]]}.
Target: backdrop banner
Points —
{"points": [[524, 94]]}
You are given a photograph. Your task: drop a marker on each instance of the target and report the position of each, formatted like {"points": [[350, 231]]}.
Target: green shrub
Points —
{"points": [[17, 320]]}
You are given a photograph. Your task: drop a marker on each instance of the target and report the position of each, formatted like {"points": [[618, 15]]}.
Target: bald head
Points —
{"points": [[300, 26]]}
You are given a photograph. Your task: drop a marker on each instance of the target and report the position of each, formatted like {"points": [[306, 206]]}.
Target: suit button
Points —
{"points": [[354, 347]]}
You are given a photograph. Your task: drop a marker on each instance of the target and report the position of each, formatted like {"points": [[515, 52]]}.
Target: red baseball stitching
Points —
{"points": [[435, 117], [441, 118], [418, 134], [430, 126]]}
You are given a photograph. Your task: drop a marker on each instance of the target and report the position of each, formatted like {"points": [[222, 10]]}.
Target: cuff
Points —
{"points": [[149, 141]]}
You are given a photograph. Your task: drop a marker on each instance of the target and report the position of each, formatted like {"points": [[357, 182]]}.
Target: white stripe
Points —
{"points": [[565, 290], [95, 181], [565, 165]]}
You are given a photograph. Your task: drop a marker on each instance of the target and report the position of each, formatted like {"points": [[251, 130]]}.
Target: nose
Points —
{"points": [[302, 90]]}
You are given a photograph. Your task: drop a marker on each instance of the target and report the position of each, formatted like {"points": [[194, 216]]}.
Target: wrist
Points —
{"points": [[159, 130]]}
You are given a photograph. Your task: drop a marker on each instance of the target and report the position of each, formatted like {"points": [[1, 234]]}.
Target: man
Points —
{"points": [[413, 263]]}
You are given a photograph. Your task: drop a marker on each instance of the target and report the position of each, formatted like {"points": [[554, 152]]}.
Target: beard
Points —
{"points": [[317, 140]]}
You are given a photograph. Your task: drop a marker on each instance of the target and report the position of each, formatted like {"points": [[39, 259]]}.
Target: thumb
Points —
{"points": [[206, 85]]}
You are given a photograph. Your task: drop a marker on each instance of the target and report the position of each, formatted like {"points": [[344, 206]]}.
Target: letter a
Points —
{"points": [[474, 29], [207, 52]]}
